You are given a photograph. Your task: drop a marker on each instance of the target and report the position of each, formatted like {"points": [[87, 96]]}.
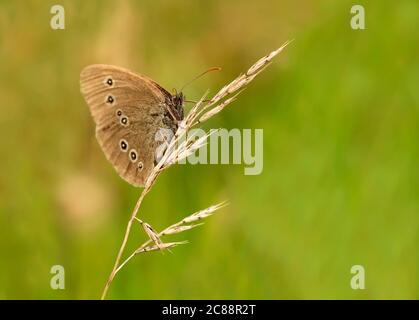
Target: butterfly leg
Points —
{"points": [[170, 112], [175, 113]]}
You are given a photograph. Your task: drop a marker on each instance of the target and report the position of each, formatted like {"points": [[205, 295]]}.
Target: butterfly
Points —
{"points": [[129, 110]]}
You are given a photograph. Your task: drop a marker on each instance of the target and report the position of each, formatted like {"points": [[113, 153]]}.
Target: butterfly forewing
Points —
{"points": [[128, 109]]}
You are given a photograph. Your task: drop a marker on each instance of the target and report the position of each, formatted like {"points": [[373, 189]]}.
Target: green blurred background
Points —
{"points": [[340, 185]]}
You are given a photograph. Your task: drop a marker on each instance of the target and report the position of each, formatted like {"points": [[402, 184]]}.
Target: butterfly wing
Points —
{"points": [[128, 109]]}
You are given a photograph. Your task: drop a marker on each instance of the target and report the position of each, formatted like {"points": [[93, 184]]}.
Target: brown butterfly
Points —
{"points": [[128, 110]]}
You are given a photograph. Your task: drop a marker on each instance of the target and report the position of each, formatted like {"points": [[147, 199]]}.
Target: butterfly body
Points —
{"points": [[129, 109]]}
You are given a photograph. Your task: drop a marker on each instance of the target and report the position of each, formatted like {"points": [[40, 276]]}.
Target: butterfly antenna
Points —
{"points": [[199, 76]]}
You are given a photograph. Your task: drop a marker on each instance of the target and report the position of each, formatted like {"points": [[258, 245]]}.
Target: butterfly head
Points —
{"points": [[178, 99]]}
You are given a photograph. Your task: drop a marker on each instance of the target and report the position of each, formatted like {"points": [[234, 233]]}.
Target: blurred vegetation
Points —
{"points": [[340, 185]]}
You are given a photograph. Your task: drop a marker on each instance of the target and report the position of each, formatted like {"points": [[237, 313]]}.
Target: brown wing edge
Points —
{"points": [[90, 68]]}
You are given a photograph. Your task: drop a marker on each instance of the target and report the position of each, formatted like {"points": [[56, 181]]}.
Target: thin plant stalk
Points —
{"points": [[124, 242]]}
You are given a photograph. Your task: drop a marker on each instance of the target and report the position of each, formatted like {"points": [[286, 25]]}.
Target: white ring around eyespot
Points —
{"points": [[120, 145], [140, 166], [106, 81], [124, 117], [108, 102], [136, 156]]}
